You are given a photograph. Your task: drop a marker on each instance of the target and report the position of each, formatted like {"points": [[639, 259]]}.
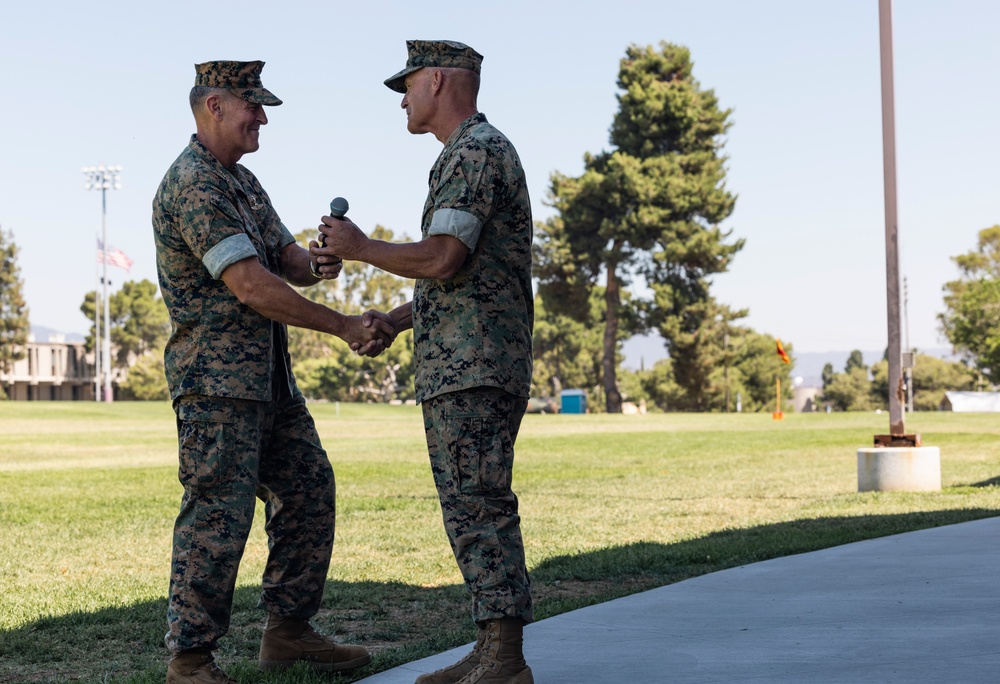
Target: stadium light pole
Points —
{"points": [[104, 178]]}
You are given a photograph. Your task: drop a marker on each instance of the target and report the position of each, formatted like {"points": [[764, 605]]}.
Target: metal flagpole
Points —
{"points": [[97, 324]]}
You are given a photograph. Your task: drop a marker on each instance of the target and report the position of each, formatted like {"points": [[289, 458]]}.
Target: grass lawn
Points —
{"points": [[611, 505]]}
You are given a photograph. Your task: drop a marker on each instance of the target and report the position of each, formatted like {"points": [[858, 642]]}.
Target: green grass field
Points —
{"points": [[611, 505]]}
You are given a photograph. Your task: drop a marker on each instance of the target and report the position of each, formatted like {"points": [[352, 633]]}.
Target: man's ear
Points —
{"points": [[213, 105], [437, 80]]}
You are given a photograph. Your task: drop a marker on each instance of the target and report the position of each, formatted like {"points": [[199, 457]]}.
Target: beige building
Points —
{"points": [[52, 371]]}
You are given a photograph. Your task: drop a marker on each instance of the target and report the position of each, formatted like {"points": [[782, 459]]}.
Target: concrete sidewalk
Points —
{"points": [[921, 607]]}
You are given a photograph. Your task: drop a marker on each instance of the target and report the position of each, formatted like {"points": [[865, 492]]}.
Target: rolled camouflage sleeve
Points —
{"points": [[457, 223], [226, 253], [468, 192], [212, 228], [286, 237]]}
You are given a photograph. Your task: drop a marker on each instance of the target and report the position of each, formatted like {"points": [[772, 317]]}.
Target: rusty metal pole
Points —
{"points": [[896, 426]]}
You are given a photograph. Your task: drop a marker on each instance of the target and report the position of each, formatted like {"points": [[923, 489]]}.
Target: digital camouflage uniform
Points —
{"points": [[243, 428], [472, 356]]}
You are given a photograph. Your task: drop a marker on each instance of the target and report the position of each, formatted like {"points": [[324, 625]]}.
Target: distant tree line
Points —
{"points": [[863, 388]]}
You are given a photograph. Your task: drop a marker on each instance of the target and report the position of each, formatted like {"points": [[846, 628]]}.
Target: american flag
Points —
{"points": [[112, 256]]}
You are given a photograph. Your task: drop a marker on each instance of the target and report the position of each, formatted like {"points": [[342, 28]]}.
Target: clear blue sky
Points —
{"points": [[90, 83]]}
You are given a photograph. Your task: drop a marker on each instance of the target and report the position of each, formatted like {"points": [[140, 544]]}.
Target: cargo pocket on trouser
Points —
{"points": [[205, 445], [483, 450]]}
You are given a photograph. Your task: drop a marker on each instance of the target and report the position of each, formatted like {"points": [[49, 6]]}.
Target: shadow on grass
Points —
{"points": [[992, 482], [401, 622]]}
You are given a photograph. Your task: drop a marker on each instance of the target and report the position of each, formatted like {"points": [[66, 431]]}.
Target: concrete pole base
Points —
{"points": [[899, 469]]}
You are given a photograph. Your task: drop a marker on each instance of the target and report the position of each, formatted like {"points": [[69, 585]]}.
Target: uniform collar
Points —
{"points": [[476, 118]]}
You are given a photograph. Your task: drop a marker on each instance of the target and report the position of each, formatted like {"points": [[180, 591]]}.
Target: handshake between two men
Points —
{"points": [[339, 238]]}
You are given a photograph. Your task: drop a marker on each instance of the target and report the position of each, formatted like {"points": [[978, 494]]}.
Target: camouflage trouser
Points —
{"points": [[231, 452], [470, 439]]}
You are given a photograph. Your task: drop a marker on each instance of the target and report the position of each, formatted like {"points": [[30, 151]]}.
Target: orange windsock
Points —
{"points": [[782, 353]]}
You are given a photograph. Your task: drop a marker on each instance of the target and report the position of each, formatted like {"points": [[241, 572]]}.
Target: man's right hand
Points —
{"points": [[371, 333]]}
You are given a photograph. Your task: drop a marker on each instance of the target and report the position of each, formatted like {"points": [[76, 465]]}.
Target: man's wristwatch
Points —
{"points": [[314, 270]]}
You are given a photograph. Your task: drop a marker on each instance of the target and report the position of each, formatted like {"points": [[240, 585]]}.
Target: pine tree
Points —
{"points": [[649, 208]]}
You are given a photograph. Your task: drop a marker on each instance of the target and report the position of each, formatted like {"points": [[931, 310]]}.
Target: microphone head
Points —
{"points": [[339, 207]]}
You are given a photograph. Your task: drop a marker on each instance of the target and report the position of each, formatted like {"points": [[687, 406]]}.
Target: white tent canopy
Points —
{"points": [[971, 402]]}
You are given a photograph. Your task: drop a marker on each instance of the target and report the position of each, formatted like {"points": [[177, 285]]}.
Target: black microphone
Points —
{"points": [[338, 208]]}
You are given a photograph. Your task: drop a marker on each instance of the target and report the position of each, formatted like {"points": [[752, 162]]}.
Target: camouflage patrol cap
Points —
{"points": [[240, 78], [434, 53]]}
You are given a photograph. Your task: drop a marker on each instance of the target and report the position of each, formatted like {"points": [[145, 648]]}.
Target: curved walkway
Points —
{"points": [[914, 608]]}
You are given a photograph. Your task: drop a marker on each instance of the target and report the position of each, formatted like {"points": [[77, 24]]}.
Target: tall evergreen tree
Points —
{"points": [[827, 374], [650, 208], [14, 325], [855, 360]]}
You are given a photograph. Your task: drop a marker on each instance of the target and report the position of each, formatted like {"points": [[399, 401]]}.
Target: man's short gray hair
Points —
{"points": [[199, 94]]}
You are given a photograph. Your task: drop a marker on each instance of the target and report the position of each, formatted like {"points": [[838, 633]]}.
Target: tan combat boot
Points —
{"points": [[454, 672], [288, 640], [196, 666], [501, 658]]}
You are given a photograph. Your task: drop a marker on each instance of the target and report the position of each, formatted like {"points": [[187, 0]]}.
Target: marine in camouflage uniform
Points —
{"points": [[243, 428], [472, 356], [472, 317]]}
